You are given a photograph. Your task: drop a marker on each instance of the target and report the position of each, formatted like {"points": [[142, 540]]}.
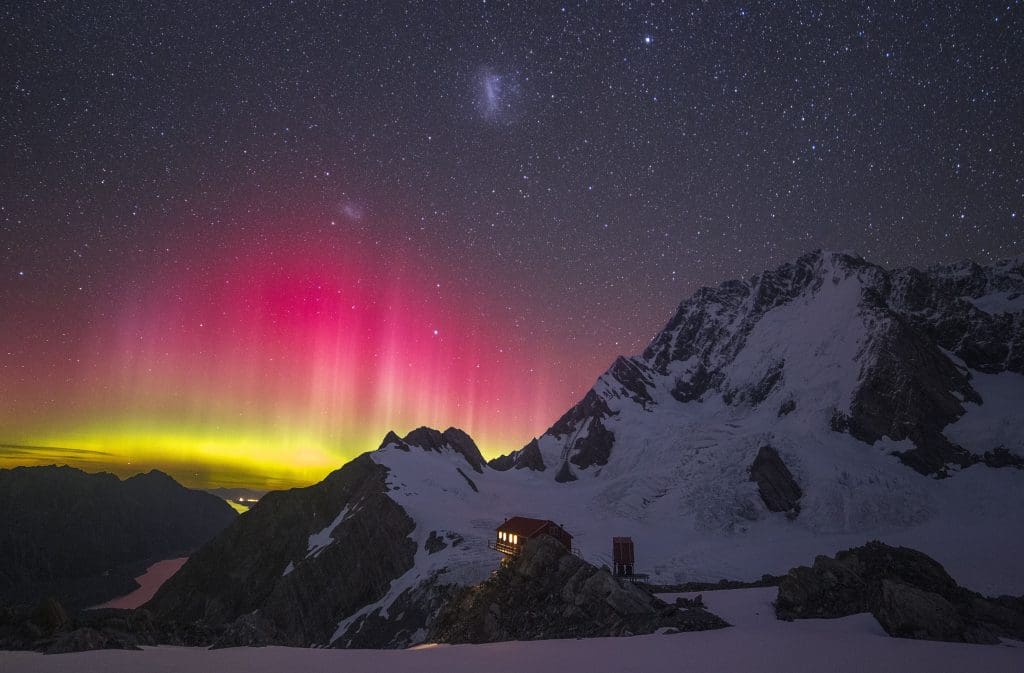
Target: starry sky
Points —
{"points": [[240, 241]]}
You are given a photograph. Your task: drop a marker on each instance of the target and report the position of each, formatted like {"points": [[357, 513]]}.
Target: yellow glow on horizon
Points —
{"points": [[194, 456]]}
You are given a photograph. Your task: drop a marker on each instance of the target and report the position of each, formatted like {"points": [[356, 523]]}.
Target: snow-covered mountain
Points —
{"points": [[830, 342], [806, 410]]}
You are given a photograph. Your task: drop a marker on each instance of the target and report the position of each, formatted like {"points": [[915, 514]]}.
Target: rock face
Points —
{"points": [[909, 594], [301, 560], [527, 458], [545, 592], [406, 622], [775, 482], [82, 538]]}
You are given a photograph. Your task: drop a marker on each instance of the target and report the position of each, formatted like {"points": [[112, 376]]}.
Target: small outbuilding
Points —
{"points": [[623, 556], [515, 531], [624, 560]]}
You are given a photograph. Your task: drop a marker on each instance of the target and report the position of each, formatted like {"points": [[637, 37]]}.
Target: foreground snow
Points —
{"points": [[756, 642]]}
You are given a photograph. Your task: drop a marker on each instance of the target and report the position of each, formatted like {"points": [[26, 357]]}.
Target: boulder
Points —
{"points": [[908, 612], [827, 589], [910, 594]]}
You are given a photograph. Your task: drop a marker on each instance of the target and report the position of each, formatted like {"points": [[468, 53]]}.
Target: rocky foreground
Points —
{"points": [[910, 594], [546, 592], [757, 641]]}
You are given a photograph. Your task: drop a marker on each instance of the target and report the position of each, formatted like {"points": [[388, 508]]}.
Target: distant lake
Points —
{"points": [[149, 582]]}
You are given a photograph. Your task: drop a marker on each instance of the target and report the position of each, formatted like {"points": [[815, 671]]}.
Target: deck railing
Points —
{"points": [[505, 547], [513, 549]]}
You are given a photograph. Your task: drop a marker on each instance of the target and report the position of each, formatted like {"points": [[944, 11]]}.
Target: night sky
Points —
{"points": [[240, 241]]}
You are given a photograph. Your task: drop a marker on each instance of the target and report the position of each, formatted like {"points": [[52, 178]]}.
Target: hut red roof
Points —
{"points": [[525, 527]]}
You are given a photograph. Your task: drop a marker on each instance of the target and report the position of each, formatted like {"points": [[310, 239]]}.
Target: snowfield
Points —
{"points": [[685, 498], [755, 642]]}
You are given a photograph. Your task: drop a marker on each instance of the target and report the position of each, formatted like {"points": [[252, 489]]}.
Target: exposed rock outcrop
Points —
{"points": [[911, 390], [565, 474], [775, 482], [594, 448], [434, 543], [546, 592], [405, 622], [910, 595], [526, 458], [82, 538]]}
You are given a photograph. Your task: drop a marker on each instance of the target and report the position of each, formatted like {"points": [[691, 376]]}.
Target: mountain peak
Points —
{"points": [[431, 439], [155, 474], [390, 438]]}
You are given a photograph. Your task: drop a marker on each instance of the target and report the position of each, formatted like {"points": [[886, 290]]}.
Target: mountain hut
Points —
{"points": [[514, 532]]}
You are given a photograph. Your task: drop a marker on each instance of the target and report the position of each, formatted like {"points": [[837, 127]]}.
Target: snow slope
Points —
{"points": [[756, 642]]}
